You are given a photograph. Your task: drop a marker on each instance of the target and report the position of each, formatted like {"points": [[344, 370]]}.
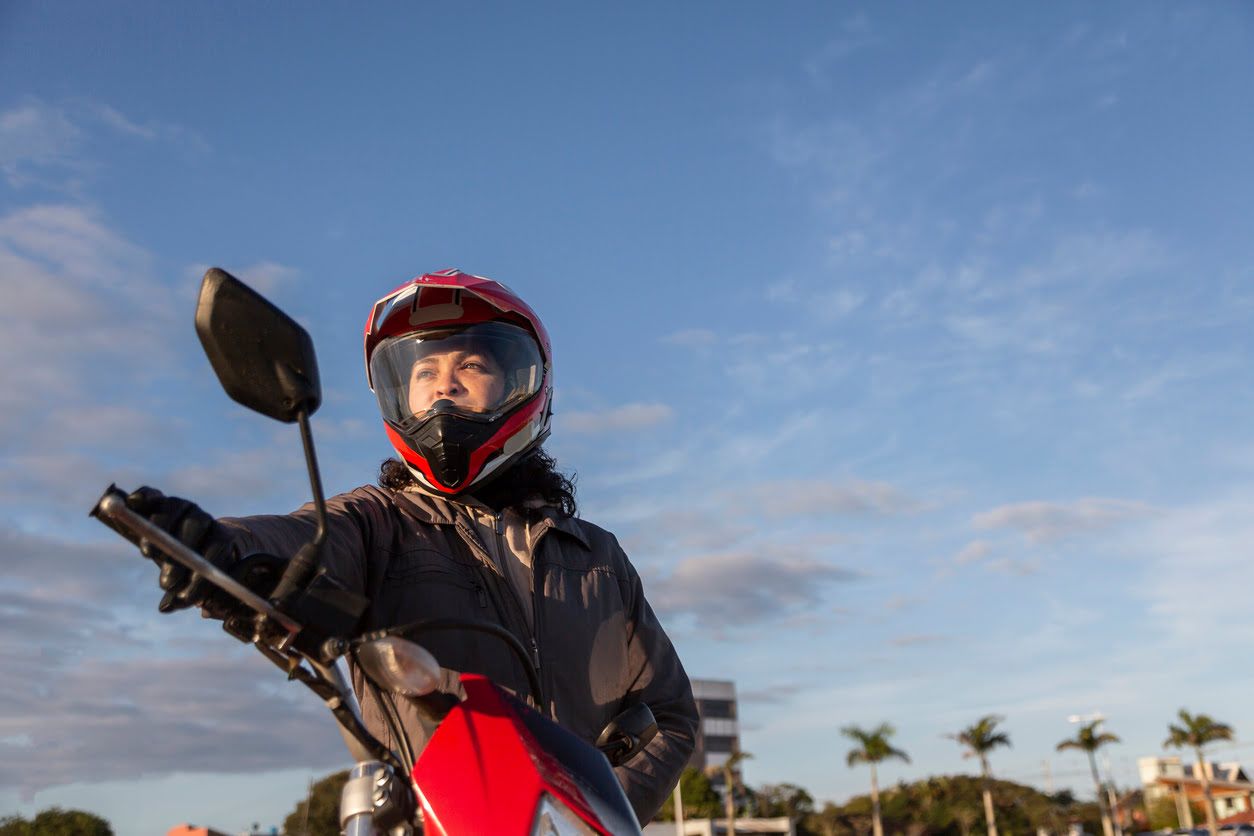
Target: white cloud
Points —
{"points": [[973, 552], [736, 589], [150, 716], [272, 474], [837, 304], [692, 337], [120, 123], [1198, 570], [79, 301], [628, 417], [47, 143], [1088, 258], [816, 497], [1045, 522], [34, 134], [856, 35], [916, 639]]}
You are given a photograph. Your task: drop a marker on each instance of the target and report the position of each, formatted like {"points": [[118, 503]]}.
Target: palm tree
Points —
{"points": [[729, 787], [873, 747], [979, 740], [1195, 731], [727, 769], [1089, 740]]}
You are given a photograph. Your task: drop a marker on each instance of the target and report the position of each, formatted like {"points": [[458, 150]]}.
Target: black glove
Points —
{"points": [[196, 530]]}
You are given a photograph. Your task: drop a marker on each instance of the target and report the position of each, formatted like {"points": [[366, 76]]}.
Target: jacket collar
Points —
{"points": [[437, 510]]}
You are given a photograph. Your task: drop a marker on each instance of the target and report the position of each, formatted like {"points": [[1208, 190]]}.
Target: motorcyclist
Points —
{"points": [[473, 519]]}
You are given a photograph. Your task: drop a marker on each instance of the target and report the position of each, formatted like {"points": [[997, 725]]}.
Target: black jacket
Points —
{"points": [[600, 646]]}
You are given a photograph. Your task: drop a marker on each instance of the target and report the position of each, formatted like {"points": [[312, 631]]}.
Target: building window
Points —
{"points": [[719, 744], [717, 708]]}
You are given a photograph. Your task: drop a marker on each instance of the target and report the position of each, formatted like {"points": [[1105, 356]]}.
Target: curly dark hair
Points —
{"points": [[534, 475]]}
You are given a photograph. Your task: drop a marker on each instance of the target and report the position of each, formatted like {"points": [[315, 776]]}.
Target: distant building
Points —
{"points": [[1172, 778], [718, 734], [193, 830]]}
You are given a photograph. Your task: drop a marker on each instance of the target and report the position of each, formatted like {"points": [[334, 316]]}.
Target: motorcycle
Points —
{"points": [[493, 764]]}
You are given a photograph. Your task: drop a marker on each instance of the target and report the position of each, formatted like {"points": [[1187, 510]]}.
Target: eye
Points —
{"points": [[423, 374]]}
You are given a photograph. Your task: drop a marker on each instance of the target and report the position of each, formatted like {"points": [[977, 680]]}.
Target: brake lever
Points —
{"points": [[112, 510]]}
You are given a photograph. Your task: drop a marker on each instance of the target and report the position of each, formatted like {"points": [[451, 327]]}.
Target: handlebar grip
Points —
{"points": [[112, 511]]}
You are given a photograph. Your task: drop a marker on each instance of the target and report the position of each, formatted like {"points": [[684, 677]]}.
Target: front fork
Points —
{"points": [[377, 801]]}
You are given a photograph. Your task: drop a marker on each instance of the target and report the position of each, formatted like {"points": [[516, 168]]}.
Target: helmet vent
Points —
{"points": [[436, 304]]}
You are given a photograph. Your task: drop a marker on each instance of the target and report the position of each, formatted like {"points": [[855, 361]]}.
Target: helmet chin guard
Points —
{"points": [[462, 371]]}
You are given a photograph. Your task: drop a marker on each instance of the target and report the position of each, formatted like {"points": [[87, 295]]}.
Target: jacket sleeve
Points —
{"points": [[657, 679], [353, 519]]}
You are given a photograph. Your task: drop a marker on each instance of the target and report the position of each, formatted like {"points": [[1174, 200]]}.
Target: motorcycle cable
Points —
{"points": [[393, 719], [414, 628], [326, 690]]}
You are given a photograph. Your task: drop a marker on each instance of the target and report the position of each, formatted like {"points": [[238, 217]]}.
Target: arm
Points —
{"points": [[353, 519], [657, 679]]}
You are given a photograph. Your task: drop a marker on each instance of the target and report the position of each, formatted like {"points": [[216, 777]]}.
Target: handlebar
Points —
{"points": [[112, 510]]}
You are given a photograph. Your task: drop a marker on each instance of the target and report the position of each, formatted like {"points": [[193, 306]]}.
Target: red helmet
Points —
{"points": [[462, 369]]}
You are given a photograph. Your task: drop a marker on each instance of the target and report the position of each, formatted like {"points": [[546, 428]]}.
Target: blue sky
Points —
{"points": [[906, 347]]}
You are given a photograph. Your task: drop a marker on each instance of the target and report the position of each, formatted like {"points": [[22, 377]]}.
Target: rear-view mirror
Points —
{"points": [[262, 357]]}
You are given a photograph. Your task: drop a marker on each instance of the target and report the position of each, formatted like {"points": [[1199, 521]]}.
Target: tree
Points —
{"points": [[1195, 731], [775, 800], [829, 821], [1089, 740], [730, 784], [979, 740], [1163, 814], [950, 805], [873, 747], [56, 822], [319, 813], [700, 799]]}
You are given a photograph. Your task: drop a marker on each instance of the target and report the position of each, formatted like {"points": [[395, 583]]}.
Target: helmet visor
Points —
{"points": [[480, 372]]}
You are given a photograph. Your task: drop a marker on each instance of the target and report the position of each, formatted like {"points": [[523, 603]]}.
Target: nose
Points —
{"points": [[448, 384]]}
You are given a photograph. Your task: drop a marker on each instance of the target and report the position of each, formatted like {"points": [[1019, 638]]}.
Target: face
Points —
{"points": [[470, 379]]}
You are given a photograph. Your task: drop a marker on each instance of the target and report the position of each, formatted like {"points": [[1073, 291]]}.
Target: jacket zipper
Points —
{"points": [[536, 595], [472, 539]]}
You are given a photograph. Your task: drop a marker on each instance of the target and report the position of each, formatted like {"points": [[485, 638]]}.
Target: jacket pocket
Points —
{"points": [[424, 584]]}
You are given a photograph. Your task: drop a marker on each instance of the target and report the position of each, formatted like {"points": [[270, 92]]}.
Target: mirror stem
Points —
{"points": [[315, 478], [306, 561]]}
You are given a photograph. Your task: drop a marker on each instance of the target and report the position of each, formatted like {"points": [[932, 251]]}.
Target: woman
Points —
{"points": [[473, 520]]}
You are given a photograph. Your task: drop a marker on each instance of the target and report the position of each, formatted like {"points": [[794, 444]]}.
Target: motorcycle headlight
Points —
{"points": [[553, 818]]}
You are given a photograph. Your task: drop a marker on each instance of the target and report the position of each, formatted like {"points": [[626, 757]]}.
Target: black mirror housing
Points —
{"points": [[263, 358], [627, 734]]}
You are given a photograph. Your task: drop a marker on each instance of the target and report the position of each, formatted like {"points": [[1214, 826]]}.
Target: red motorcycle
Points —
{"points": [[493, 764]]}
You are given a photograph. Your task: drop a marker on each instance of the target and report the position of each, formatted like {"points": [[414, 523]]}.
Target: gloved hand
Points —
{"points": [[195, 529]]}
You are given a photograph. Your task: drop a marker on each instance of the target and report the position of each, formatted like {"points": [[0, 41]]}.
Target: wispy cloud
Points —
{"points": [[692, 337], [772, 695], [34, 135], [628, 417], [75, 291], [263, 474], [856, 35], [1046, 522], [51, 144], [917, 639], [144, 716], [973, 552], [737, 589], [815, 497], [1197, 568]]}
